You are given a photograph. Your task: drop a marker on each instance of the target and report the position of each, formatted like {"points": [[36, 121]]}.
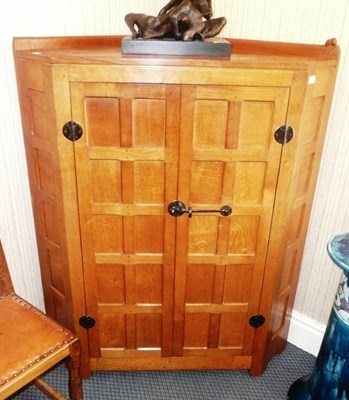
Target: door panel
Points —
{"points": [[227, 156], [128, 151], [159, 285]]}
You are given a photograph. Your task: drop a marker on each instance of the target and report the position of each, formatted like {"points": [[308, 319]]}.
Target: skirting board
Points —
{"points": [[306, 333]]}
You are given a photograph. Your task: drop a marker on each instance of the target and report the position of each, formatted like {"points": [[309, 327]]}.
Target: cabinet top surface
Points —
{"points": [[106, 50]]}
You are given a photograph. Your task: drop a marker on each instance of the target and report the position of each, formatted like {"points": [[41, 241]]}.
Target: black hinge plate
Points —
{"points": [[257, 320], [87, 322], [284, 134], [72, 131]]}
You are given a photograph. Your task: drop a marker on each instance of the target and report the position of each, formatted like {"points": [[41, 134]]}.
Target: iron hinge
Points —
{"points": [[257, 320], [72, 131], [87, 322], [284, 134]]}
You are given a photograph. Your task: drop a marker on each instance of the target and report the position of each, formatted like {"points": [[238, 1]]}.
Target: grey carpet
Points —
{"points": [[282, 371]]}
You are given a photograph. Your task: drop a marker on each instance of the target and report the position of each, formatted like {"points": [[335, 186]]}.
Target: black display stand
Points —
{"points": [[213, 47]]}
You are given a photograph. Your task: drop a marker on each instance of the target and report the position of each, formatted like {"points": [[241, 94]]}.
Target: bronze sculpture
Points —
{"points": [[184, 20]]}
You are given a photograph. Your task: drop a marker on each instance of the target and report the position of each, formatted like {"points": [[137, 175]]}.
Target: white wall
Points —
{"points": [[307, 21]]}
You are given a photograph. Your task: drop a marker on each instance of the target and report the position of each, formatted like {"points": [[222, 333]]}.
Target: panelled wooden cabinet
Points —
{"points": [[131, 159]]}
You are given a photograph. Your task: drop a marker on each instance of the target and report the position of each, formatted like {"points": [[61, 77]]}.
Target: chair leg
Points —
{"points": [[73, 363]]}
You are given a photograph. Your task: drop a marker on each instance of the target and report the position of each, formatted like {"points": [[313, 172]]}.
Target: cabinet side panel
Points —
{"points": [[310, 144], [38, 126], [308, 115]]}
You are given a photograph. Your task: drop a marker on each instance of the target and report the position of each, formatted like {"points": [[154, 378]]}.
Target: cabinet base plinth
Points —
{"points": [[170, 363]]}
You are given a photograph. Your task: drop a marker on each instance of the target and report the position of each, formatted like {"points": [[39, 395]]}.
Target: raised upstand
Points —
{"points": [[330, 378]]}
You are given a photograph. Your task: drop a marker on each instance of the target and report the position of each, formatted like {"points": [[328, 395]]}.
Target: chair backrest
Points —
{"points": [[6, 286]]}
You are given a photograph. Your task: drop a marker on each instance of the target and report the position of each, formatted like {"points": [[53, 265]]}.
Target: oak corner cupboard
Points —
{"points": [[172, 195]]}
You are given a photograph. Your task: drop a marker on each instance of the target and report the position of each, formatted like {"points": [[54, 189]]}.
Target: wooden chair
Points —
{"points": [[31, 343]]}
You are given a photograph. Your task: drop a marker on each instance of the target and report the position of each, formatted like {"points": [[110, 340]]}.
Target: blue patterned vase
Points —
{"points": [[330, 377]]}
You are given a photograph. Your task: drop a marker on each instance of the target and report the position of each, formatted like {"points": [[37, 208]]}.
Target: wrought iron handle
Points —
{"points": [[177, 208]]}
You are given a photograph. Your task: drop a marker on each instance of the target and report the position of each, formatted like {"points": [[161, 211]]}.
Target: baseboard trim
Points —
{"points": [[306, 333]]}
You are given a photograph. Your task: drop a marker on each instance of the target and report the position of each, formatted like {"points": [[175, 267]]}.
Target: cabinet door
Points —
{"points": [[228, 156], [126, 163]]}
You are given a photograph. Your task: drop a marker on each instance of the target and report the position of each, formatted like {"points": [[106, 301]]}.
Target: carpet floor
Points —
{"points": [[281, 372]]}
